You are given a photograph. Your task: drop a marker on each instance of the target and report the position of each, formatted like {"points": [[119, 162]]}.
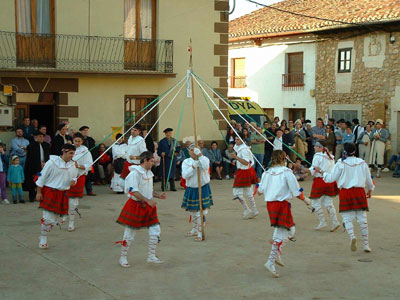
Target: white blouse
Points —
{"points": [[323, 161], [243, 152], [57, 174], [119, 151], [136, 146], [139, 180], [349, 173], [278, 184], [190, 174], [84, 158]]}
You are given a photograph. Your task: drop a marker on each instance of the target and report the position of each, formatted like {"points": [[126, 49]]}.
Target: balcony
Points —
{"points": [[62, 53], [293, 81], [238, 82]]}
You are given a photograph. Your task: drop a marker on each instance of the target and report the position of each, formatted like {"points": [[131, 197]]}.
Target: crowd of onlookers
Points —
{"points": [[32, 146]]}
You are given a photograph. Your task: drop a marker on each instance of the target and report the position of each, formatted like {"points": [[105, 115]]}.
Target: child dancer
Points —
{"points": [[352, 175], [58, 174], [15, 178], [191, 197], [119, 158], [278, 185], [245, 177], [322, 192], [140, 211], [83, 162]]}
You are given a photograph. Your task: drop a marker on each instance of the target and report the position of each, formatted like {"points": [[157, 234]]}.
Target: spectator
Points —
{"points": [[364, 143], [268, 146], [19, 145], [395, 159], [148, 140], [46, 137], [104, 166], [38, 153], [15, 178], [27, 129], [157, 162], [291, 125], [318, 132], [278, 140], [60, 139], [331, 122], [216, 159], [276, 120], [203, 149], [300, 144], [310, 153], [258, 149], [339, 139], [3, 174], [330, 138], [181, 156], [357, 130], [283, 124], [299, 170], [119, 157], [230, 136], [233, 123], [349, 136], [229, 161], [239, 127], [246, 135], [90, 143], [288, 142], [35, 125], [381, 136]]}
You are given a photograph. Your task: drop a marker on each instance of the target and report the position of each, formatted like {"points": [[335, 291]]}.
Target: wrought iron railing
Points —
{"points": [[238, 81], [293, 81], [60, 52]]}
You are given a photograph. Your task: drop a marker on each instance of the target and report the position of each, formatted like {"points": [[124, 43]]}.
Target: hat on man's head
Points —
{"points": [[379, 121], [14, 157], [168, 130], [83, 128]]}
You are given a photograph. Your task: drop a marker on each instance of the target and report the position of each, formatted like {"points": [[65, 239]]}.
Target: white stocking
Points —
{"points": [[73, 204], [316, 204], [331, 209], [195, 222], [154, 238], [348, 217], [249, 194], [47, 222], [362, 221], [238, 192]]}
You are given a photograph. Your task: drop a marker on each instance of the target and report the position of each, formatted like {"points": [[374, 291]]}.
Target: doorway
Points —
{"points": [[296, 113]]}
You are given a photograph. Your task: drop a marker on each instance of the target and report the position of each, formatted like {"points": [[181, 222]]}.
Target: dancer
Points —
{"points": [[140, 211], [278, 185], [191, 201], [322, 192], [352, 175], [83, 162], [58, 174], [119, 158], [245, 177], [136, 146]]}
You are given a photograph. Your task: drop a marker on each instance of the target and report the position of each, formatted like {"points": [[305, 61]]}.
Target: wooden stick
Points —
{"points": [[203, 234], [163, 175]]}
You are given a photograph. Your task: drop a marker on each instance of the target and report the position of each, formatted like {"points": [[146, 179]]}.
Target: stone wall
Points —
{"points": [[375, 74]]}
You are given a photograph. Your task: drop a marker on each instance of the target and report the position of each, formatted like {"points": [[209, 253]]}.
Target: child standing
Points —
{"points": [[3, 174], [278, 185], [15, 178]]}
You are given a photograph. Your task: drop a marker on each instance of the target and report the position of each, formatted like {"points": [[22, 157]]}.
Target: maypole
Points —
{"points": [[190, 94]]}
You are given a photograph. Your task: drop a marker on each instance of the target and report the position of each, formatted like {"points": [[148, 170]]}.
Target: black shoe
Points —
{"points": [[15, 202], [119, 193], [172, 185], [21, 201]]}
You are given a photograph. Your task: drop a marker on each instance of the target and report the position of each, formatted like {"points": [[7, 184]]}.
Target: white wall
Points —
{"points": [[264, 68]]}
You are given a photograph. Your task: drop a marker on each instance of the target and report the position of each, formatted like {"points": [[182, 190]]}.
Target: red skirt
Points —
{"points": [[76, 191], [136, 216], [320, 188], [280, 214], [245, 178], [352, 199], [125, 169], [54, 200]]}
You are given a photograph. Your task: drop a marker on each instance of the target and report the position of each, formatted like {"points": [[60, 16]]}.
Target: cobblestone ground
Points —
{"points": [[228, 265]]}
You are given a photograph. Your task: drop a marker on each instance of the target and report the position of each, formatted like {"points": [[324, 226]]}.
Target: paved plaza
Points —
{"points": [[228, 265]]}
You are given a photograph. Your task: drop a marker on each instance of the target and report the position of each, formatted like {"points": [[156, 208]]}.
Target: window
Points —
{"points": [[344, 60], [134, 109], [35, 43], [238, 73], [140, 34], [294, 76]]}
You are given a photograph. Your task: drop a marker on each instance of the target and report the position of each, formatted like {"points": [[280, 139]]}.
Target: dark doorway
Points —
{"points": [[45, 115]]}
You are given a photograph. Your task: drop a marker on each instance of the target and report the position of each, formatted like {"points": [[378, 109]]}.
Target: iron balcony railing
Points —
{"points": [[293, 81], [79, 53]]}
